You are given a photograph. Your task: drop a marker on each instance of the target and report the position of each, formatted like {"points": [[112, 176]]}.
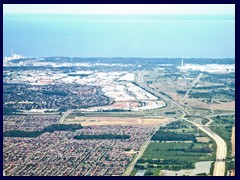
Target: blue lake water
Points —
{"points": [[111, 36]]}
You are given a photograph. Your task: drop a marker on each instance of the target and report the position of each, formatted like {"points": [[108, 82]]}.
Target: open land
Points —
{"points": [[95, 121], [175, 116]]}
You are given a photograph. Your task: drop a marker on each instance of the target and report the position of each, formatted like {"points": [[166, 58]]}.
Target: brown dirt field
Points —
{"points": [[202, 139], [129, 104], [232, 172], [233, 141], [196, 103], [130, 152], [92, 121], [171, 90], [224, 106]]}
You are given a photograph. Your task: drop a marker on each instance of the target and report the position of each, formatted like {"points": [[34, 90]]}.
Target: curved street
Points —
{"points": [[221, 151]]}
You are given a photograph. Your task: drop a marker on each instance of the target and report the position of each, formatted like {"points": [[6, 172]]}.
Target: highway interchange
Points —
{"points": [[221, 152]]}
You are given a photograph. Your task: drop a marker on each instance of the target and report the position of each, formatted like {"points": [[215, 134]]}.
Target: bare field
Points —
{"points": [[91, 121], [224, 106], [170, 89], [202, 139], [197, 103], [233, 141]]}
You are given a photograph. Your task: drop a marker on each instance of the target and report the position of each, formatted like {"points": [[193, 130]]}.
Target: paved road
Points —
{"points": [[221, 153], [64, 116], [192, 85], [140, 153], [142, 150], [219, 166]]}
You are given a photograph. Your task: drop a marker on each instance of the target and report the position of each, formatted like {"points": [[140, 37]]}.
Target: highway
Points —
{"points": [[192, 85], [142, 149], [139, 154], [221, 152], [64, 116]]}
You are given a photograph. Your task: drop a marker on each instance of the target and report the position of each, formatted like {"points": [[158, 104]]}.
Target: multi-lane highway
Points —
{"points": [[221, 152], [142, 149], [192, 85], [219, 166], [64, 116]]}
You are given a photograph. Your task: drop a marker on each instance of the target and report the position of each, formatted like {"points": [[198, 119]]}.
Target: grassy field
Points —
{"points": [[153, 76], [168, 151], [172, 156], [176, 155], [223, 127]]}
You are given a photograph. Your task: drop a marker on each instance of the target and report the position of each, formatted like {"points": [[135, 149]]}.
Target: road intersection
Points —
{"points": [[221, 152]]}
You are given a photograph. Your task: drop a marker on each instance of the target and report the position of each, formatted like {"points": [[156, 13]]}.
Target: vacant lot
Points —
{"points": [[202, 139], [224, 106], [233, 141], [100, 120]]}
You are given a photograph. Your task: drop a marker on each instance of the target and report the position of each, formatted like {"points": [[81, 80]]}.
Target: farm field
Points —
{"points": [[173, 156], [171, 151], [100, 120]]}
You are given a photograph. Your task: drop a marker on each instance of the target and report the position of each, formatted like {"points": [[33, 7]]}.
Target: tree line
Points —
{"points": [[50, 128], [102, 136], [172, 136]]}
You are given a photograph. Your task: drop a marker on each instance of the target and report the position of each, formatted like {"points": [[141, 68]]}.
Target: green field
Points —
{"points": [[223, 127], [173, 156], [153, 76], [181, 151]]}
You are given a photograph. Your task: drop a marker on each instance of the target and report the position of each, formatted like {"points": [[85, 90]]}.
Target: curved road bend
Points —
{"points": [[219, 166], [139, 154], [142, 150], [221, 153], [64, 116]]}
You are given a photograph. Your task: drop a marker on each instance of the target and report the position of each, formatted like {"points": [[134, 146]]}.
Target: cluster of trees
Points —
{"points": [[200, 95], [230, 92], [181, 92], [9, 111], [208, 95], [62, 127], [171, 164], [50, 128], [102, 136], [174, 125], [170, 112], [162, 161], [163, 93], [172, 136], [55, 92], [192, 149], [19, 133]]}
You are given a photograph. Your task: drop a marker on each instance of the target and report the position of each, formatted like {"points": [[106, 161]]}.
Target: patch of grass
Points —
{"points": [[168, 151], [134, 171], [222, 125]]}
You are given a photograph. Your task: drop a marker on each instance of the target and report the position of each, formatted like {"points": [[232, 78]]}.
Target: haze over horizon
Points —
{"points": [[87, 36]]}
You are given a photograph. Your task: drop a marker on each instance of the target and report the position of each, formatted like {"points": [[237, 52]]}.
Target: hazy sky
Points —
{"points": [[111, 36], [201, 9]]}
